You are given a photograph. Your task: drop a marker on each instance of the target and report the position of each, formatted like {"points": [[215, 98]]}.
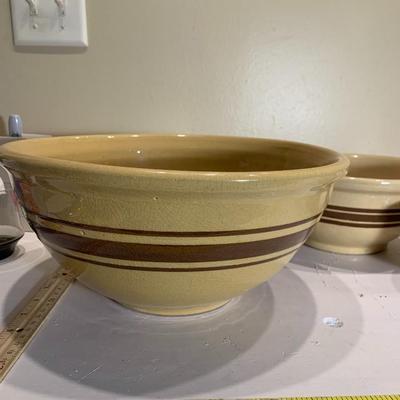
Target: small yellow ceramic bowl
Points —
{"points": [[363, 214], [172, 224]]}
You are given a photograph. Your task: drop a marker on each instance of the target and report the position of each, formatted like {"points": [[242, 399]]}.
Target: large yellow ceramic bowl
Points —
{"points": [[172, 224], [363, 214]]}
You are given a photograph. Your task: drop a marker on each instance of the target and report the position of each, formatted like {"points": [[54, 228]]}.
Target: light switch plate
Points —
{"points": [[48, 27]]}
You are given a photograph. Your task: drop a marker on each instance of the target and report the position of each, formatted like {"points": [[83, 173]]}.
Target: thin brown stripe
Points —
{"points": [[361, 217], [159, 269], [358, 225], [174, 234], [365, 210], [170, 253]]}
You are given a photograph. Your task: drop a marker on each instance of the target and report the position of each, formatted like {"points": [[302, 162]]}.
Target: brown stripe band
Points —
{"points": [[173, 234], [365, 210], [170, 253], [358, 225], [159, 269], [361, 217]]}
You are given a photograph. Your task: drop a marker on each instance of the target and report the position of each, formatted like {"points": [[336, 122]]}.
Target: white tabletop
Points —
{"points": [[274, 341]]}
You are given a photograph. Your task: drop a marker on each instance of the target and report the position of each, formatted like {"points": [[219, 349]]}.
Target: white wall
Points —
{"points": [[321, 71]]}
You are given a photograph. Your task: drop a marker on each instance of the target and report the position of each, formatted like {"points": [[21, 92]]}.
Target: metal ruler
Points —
{"points": [[20, 330]]}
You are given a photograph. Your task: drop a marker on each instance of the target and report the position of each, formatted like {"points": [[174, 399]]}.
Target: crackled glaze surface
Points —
{"points": [[172, 224]]}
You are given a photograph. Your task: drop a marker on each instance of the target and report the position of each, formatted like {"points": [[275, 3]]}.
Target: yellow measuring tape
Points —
{"points": [[23, 327], [374, 397]]}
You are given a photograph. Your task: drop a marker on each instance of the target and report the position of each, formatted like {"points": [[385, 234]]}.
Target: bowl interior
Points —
{"points": [[374, 167], [180, 152]]}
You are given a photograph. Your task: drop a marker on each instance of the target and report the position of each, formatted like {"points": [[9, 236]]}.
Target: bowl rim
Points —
{"points": [[10, 151], [378, 183]]}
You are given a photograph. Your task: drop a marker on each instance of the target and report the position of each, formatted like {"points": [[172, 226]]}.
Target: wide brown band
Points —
{"points": [[173, 269], [358, 225], [364, 210], [347, 216], [169, 253]]}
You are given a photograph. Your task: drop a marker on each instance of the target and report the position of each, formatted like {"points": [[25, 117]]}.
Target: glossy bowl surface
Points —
{"points": [[363, 214], [172, 224]]}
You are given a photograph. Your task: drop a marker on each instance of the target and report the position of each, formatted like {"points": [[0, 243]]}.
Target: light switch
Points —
{"points": [[49, 23]]}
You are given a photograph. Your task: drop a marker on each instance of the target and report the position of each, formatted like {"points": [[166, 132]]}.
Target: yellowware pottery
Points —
{"points": [[363, 214], [172, 224]]}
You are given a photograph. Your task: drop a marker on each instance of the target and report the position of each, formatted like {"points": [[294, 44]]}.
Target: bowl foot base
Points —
{"points": [[174, 312], [347, 250]]}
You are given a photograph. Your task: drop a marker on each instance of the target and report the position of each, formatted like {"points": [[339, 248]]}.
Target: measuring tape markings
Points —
{"points": [[22, 328], [372, 397]]}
